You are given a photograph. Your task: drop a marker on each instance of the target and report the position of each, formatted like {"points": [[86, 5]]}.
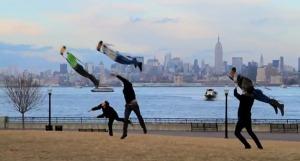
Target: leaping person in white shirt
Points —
{"points": [[117, 56]]}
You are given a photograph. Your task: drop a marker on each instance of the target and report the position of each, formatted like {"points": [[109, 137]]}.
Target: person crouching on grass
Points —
{"points": [[110, 113]]}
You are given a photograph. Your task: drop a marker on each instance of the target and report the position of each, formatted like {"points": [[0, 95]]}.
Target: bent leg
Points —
{"points": [[136, 110], [110, 123], [260, 96], [238, 128], [253, 136], [126, 118], [80, 70]]}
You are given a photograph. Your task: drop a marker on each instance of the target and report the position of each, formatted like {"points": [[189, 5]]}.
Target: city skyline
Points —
{"points": [[32, 32]]}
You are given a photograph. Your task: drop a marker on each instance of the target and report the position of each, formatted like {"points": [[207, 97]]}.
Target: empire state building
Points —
{"points": [[219, 65]]}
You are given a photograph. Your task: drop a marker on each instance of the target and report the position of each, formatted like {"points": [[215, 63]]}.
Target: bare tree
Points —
{"points": [[23, 92]]}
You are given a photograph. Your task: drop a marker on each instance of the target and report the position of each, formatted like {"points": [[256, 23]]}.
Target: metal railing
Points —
{"points": [[93, 120]]}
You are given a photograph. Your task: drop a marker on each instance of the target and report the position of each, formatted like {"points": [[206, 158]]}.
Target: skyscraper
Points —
{"points": [[219, 65], [196, 67], [298, 64], [63, 68], [168, 57], [237, 62], [261, 62], [275, 64], [281, 64]]}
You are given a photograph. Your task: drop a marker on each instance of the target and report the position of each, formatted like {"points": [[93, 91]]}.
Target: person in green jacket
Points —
{"points": [[73, 61]]}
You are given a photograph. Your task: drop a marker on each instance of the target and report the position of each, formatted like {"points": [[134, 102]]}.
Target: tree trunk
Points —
{"points": [[23, 121]]}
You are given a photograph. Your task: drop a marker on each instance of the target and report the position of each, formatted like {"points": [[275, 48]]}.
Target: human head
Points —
{"points": [[105, 104], [232, 72]]}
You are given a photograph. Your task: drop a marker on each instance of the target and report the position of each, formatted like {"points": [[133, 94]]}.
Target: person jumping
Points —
{"points": [[110, 113], [73, 61], [244, 119], [117, 56], [131, 105], [247, 86]]}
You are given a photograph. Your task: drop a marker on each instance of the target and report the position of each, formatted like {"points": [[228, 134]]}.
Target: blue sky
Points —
{"points": [[32, 31]]}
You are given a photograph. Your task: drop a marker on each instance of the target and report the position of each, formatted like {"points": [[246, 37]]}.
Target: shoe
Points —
{"points": [[260, 147], [123, 136], [278, 105], [140, 65], [62, 50], [247, 147], [99, 45], [145, 131], [273, 104], [281, 108]]}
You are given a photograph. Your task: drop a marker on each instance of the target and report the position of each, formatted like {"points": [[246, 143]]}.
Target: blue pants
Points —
{"points": [[125, 59], [258, 95]]}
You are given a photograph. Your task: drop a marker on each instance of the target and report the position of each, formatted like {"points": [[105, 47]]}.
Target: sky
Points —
{"points": [[32, 31]]}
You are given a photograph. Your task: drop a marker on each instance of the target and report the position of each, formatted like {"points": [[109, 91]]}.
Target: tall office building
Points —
{"points": [[196, 67], [219, 65], [63, 68], [167, 59], [298, 64], [237, 62], [261, 62], [275, 64], [281, 64]]}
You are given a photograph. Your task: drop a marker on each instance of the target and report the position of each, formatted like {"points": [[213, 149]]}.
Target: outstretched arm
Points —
{"points": [[236, 94], [125, 81], [95, 108]]}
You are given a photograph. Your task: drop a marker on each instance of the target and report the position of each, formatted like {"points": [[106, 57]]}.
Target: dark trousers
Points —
{"points": [[246, 123], [260, 96], [125, 60], [135, 108], [80, 70], [110, 123]]}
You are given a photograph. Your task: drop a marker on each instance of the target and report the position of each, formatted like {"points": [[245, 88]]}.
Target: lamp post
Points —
{"points": [[226, 90], [49, 126]]}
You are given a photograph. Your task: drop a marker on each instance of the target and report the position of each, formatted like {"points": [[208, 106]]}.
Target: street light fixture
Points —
{"points": [[226, 91], [49, 126]]}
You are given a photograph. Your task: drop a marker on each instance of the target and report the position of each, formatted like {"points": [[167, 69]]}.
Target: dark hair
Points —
{"points": [[107, 103], [233, 69]]}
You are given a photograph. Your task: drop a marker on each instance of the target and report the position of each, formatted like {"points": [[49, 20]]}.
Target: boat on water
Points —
{"points": [[283, 86], [210, 94], [103, 89], [102, 86]]}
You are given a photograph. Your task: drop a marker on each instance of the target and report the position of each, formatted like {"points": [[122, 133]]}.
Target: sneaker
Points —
{"points": [[140, 65], [99, 45], [63, 50], [247, 147], [123, 136], [278, 105], [273, 104], [281, 108]]}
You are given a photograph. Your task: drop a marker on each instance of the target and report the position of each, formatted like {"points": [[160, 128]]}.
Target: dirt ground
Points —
{"points": [[92, 146]]}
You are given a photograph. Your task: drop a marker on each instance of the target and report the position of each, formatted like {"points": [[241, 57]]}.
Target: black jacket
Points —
{"points": [[128, 91], [108, 112], [244, 83], [246, 103]]}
